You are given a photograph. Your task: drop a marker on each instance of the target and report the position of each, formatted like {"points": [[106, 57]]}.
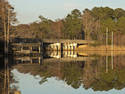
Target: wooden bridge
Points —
{"points": [[64, 44], [35, 46], [67, 41], [40, 60]]}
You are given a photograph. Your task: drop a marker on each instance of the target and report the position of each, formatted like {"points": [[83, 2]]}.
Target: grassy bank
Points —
{"points": [[101, 48]]}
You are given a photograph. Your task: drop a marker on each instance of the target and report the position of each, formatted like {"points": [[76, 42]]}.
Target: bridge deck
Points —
{"points": [[67, 41]]}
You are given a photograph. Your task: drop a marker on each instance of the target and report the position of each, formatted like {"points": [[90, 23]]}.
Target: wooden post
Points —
{"points": [[112, 51], [112, 41], [106, 64], [106, 37]]}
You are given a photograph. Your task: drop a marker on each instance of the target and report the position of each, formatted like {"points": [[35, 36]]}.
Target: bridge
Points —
{"points": [[40, 60], [66, 41], [53, 56], [36, 46], [64, 44]]}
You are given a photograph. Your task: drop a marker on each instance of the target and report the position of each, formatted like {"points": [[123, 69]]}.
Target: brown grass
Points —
{"points": [[101, 50]]}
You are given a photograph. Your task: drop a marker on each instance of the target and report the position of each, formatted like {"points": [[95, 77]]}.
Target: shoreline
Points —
{"points": [[101, 48]]}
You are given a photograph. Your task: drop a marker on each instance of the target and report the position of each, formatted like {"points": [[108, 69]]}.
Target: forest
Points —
{"points": [[90, 24]]}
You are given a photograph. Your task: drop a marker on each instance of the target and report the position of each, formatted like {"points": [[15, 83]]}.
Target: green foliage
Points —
{"points": [[73, 25], [102, 12], [89, 25], [45, 27], [72, 74], [104, 17], [118, 13], [121, 25]]}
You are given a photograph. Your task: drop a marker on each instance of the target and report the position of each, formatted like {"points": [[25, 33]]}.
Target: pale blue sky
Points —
{"points": [[29, 10]]}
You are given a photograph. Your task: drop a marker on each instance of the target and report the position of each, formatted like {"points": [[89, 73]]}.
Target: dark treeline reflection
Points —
{"points": [[1, 74], [6, 77], [100, 74]]}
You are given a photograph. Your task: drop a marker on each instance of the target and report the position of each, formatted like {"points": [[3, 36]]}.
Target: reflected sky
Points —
{"points": [[29, 84]]}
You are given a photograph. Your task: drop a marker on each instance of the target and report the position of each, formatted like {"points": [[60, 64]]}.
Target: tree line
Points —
{"points": [[90, 24]]}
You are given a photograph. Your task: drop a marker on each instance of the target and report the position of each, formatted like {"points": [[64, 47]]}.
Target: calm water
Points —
{"points": [[68, 73]]}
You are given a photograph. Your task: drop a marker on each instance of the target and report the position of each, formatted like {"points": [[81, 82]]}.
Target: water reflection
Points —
{"points": [[68, 73]]}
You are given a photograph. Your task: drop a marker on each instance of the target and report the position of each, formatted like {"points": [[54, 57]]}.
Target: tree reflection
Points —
{"points": [[72, 73], [90, 74]]}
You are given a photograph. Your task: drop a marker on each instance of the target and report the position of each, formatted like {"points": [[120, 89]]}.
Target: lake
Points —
{"points": [[67, 72]]}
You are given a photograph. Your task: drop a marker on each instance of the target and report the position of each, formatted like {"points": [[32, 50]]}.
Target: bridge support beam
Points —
{"points": [[62, 46], [69, 46], [55, 46]]}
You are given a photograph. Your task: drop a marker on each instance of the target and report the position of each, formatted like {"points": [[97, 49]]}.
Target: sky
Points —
{"points": [[28, 11]]}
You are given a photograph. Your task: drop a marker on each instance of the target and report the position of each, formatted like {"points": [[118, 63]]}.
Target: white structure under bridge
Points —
{"points": [[61, 46], [59, 54], [64, 44]]}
